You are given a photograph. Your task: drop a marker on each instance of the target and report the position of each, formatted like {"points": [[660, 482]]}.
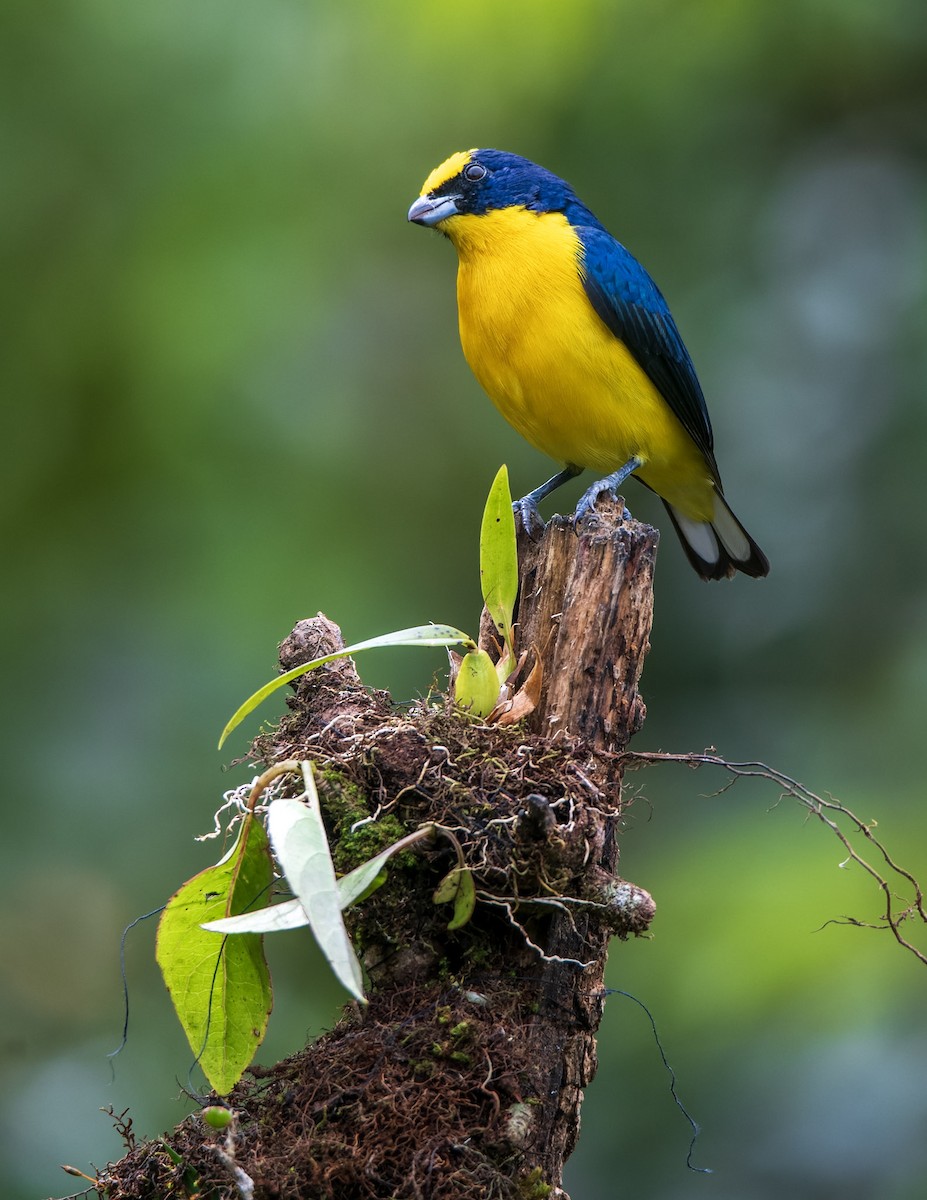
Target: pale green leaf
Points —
{"points": [[498, 556], [457, 888], [220, 989], [464, 902], [476, 688], [447, 889], [289, 914], [417, 635], [357, 883], [504, 666], [298, 837], [351, 888]]}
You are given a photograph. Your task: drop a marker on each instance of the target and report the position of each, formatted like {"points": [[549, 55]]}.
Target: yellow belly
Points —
{"points": [[552, 367]]}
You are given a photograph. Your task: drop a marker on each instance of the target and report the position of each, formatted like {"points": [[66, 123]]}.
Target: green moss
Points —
{"points": [[533, 1187], [479, 956], [354, 848], [343, 802], [344, 805]]}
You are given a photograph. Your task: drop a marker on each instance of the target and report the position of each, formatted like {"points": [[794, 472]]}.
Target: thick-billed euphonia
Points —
{"points": [[576, 347]]}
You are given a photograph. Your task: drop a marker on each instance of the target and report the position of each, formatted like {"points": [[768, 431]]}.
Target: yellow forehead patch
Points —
{"points": [[449, 168]]}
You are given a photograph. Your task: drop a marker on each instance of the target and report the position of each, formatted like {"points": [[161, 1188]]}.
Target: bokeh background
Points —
{"points": [[233, 395]]}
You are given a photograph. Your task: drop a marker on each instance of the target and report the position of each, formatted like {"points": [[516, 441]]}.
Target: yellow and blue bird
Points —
{"points": [[575, 345]]}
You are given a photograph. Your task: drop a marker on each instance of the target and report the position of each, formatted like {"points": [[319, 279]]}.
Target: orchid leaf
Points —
{"points": [[220, 989], [356, 885], [297, 834], [498, 556], [417, 635]]}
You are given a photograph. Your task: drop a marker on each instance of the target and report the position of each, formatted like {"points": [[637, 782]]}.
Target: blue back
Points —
{"points": [[618, 287]]}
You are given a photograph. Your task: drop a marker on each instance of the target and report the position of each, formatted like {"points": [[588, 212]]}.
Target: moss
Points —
{"points": [[354, 848], [343, 802], [479, 956], [344, 805], [533, 1187]]}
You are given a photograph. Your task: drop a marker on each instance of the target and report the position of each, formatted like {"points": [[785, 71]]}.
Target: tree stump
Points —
{"points": [[586, 603], [463, 1077]]}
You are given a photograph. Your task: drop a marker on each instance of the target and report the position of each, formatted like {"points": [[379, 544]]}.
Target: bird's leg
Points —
{"points": [[527, 506], [610, 483]]}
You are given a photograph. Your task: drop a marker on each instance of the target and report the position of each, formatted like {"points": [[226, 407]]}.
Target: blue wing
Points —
{"points": [[631, 305]]}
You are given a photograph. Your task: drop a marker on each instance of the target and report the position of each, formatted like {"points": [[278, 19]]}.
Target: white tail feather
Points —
{"points": [[721, 546]]}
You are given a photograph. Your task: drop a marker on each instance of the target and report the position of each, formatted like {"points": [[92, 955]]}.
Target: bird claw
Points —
{"points": [[531, 520], [588, 500], [608, 486], [588, 509]]}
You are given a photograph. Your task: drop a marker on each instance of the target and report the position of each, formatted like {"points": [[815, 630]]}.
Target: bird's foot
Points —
{"points": [[608, 486], [532, 522], [588, 500]]}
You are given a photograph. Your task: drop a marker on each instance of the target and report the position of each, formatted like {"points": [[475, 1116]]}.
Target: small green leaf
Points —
{"points": [[465, 901], [447, 889], [498, 556], [457, 888], [476, 688], [298, 837], [417, 635], [221, 990]]}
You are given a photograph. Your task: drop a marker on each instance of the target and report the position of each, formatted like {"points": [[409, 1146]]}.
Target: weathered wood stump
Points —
{"points": [[464, 1076]]}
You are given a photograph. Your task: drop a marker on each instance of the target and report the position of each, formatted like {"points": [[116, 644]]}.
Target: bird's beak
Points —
{"points": [[429, 210]]}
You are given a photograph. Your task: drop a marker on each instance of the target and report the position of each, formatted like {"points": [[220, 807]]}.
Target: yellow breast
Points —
{"points": [[552, 367]]}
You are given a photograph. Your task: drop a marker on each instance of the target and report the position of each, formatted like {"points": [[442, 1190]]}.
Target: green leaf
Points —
{"points": [[465, 901], [297, 834], [476, 688], [354, 886], [457, 888], [447, 889], [498, 556], [356, 896], [417, 635], [221, 990], [290, 914], [358, 883]]}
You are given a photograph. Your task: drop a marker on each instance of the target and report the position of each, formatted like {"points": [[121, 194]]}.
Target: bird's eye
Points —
{"points": [[474, 172]]}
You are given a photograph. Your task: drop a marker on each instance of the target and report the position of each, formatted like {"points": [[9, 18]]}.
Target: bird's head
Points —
{"points": [[476, 182]]}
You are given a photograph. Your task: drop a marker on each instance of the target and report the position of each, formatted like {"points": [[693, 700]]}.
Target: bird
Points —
{"points": [[575, 345]]}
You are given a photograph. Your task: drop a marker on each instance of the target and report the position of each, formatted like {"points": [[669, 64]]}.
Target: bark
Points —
{"points": [[464, 1076], [587, 605]]}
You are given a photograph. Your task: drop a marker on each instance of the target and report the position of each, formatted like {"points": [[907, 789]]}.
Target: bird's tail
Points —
{"points": [[721, 546]]}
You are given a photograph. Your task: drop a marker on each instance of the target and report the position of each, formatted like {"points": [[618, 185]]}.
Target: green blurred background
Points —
{"points": [[234, 395]]}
